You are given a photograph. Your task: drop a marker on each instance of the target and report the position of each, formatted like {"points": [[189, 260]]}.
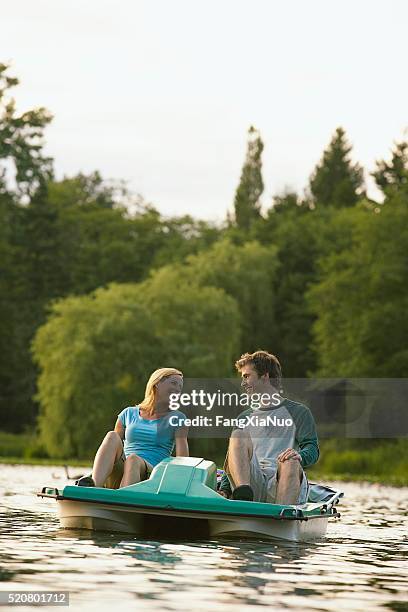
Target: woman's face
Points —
{"points": [[167, 386]]}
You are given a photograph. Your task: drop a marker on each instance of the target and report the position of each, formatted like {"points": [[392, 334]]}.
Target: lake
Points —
{"points": [[360, 565]]}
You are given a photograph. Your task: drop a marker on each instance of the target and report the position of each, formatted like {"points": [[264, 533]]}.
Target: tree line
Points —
{"points": [[98, 288]]}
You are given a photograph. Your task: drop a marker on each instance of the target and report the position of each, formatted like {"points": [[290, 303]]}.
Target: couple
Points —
{"points": [[264, 462]]}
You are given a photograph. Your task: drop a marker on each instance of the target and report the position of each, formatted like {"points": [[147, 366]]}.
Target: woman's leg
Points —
{"points": [[109, 451], [134, 470]]}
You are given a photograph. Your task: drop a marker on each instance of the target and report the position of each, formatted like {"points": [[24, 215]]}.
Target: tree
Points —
{"points": [[301, 237], [9, 278], [335, 180], [246, 204], [21, 140], [299, 240], [393, 175], [183, 236], [92, 352], [197, 322], [96, 352], [24, 171], [361, 298], [72, 237], [288, 201], [247, 273]]}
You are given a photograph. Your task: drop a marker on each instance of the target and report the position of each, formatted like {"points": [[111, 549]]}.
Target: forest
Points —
{"points": [[98, 289]]}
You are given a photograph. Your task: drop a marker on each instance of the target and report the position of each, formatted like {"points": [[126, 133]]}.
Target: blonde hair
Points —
{"points": [[150, 393]]}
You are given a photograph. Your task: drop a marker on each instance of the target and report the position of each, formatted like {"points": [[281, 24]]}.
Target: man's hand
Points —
{"points": [[289, 453]]}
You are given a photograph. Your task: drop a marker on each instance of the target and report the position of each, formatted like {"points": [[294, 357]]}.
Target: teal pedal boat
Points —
{"points": [[180, 500]]}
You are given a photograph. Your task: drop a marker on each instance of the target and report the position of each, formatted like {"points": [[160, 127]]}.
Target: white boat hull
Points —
{"points": [[102, 517], [295, 531]]}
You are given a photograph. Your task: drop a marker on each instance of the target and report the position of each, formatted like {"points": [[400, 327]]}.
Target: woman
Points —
{"points": [[147, 434]]}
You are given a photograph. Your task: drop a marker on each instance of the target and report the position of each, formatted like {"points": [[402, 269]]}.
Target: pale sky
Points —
{"points": [[161, 93]]}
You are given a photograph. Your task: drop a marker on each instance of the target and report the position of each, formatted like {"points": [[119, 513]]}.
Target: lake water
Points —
{"points": [[361, 564]]}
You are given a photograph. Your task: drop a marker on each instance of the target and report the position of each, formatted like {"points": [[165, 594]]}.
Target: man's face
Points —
{"points": [[251, 382]]}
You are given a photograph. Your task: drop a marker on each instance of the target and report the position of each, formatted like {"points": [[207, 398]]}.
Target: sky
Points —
{"points": [[161, 93]]}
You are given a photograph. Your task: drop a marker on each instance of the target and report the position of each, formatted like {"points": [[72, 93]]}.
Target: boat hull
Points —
{"points": [[80, 515], [294, 531]]}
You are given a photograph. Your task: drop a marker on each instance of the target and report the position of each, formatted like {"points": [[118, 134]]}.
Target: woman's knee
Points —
{"points": [[134, 459], [112, 436]]}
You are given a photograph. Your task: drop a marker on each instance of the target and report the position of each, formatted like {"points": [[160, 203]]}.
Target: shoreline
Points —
{"points": [[390, 481], [312, 475]]}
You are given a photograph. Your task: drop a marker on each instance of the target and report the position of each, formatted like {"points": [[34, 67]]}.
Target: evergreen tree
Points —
{"points": [[394, 174], [21, 140], [335, 180], [246, 203]]}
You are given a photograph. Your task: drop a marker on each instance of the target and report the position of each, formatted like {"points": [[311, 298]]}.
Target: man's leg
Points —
{"points": [[289, 478], [239, 457], [109, 451]]}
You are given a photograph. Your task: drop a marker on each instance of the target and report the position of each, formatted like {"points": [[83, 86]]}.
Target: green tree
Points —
{"points": [[24, 171], [361, 298], [288, 201], [9, 278], [183, 236], [91, 353], [21, 140], [73, 236], [247, 273], [393, 175], [96, 352], [198, 323], [246, 204], [336, 181], [301, 237]]}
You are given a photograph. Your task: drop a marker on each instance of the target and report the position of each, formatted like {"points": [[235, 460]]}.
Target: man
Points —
{"points": [[265, 461]]}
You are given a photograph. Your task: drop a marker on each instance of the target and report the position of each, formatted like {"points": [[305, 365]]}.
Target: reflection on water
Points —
{"points": [[361, 565]]}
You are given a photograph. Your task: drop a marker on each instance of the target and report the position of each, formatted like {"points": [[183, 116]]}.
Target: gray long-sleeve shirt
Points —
{"points": [[289, 425]]}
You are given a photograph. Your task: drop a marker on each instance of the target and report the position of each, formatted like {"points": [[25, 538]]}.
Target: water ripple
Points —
{"points": [[361, 565]]}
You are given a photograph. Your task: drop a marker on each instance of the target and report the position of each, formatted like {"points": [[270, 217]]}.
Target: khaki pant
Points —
{"points": [[263, 480]]}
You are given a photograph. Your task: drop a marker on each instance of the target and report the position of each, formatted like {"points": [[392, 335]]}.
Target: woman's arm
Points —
{"points": [[120, 429], [181, 442]]}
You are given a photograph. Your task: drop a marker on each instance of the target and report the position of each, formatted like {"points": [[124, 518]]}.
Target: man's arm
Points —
{"points": [[306, 435], [309, 451]]}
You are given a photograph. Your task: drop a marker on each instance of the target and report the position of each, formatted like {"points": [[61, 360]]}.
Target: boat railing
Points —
{"points": [[329, 505]]}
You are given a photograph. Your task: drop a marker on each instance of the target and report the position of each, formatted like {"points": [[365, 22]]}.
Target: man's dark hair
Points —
{"points": [[263, 363]]}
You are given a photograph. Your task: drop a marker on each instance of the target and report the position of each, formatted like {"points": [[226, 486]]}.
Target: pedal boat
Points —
{"points": [[180, 500]]}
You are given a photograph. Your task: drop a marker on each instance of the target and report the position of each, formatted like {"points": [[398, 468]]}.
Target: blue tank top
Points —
{"points": [[151, 439]]}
